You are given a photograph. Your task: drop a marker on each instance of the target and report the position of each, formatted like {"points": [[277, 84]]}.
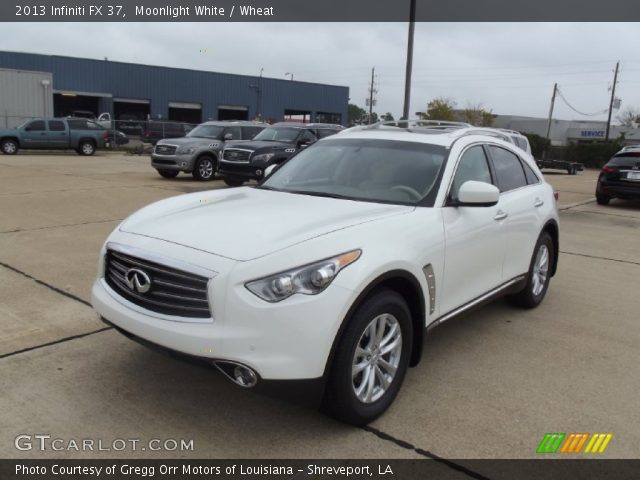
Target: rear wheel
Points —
{"points": [[233, 182], [168, 173], [539, 274], [371, 359], [205, 168], [9, 147], [602, 199], [86, 148]]}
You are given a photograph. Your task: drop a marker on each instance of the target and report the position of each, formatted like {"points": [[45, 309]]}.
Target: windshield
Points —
{"points": [[278, 134], [207, 131], [363, 169]]}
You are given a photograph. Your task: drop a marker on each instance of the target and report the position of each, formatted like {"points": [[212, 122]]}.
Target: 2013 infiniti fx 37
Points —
{"points": [[322, 279]]}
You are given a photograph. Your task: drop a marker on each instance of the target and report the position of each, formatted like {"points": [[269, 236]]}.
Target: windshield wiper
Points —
{"points": [[319, 194]]}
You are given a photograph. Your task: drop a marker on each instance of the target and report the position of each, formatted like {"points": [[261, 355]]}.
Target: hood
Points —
{"points": [[263, 145], [247, 223]]}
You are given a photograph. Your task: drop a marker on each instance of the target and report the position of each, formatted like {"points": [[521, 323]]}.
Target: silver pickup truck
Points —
{"points": [[52, 134]]}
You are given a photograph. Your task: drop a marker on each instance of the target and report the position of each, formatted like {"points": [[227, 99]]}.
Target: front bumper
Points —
{"points": [[245, 171], [290, 340], [180, 162]]}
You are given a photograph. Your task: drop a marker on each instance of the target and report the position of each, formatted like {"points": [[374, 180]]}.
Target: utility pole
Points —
{"points": [[553, 101], [407, 75], [372, 92], [613, 96]]}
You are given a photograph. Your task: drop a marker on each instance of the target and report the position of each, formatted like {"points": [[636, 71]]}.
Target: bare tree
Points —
{"points": [[629, 117], [477, 115]]}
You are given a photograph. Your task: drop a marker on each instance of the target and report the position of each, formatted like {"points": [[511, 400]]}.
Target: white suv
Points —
{"points": [[323, 279]]}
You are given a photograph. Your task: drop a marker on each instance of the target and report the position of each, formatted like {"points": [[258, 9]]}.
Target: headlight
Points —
{"points": [[308, 279], [263, 157], [187, 150]]}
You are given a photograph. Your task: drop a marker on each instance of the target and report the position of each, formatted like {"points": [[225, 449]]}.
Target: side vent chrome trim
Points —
{"points": [[431, 283]]}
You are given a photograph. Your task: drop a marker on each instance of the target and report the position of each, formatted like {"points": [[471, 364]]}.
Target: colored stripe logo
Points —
{"points": [[574, 443]]}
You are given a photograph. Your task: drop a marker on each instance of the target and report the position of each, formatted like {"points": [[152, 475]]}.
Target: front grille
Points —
{"points": [[172, 291], [165, 149], [234, 155], [161, 161]]}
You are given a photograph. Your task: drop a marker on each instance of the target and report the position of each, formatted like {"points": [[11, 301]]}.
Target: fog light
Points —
{"points": [[259, 173], [244, 376], [183, 164]]}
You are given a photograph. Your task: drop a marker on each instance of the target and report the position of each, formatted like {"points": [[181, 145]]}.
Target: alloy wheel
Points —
{"points": [[376, 358], [540, 270], [205, 168]]}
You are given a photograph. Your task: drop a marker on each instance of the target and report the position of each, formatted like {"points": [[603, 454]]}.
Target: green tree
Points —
{"points": [[441, 109], [387, 117], [356, 114], [477, 115]]}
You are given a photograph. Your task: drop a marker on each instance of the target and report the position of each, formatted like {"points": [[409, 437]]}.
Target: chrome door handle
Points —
{"points": [[538, 203], [500, 215]]}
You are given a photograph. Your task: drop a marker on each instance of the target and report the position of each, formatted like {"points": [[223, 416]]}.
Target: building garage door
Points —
{"points": [[233, 112], [185, 112]]}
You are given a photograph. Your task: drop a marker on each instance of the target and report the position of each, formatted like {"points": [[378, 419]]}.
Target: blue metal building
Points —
{"points": [[132, 91]]}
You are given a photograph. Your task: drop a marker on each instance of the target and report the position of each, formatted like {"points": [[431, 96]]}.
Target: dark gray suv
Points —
{"points": [[198, 152]]}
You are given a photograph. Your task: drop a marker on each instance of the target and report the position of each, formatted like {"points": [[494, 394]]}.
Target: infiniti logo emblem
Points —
{"points": [[137, 280]]}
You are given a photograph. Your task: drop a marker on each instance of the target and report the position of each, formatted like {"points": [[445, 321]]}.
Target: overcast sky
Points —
{"points": [[509, 68]]}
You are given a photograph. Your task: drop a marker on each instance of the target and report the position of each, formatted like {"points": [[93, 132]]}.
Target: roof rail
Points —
{"points": [[492, 132], [419, 123]]}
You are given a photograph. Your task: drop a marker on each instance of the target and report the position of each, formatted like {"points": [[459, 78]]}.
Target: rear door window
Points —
{"points": [[509, 171], [532, 178], [56, 126]]}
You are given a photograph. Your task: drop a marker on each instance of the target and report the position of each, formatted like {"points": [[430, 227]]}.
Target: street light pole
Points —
{"points": [[407, 78], [289, 73]]}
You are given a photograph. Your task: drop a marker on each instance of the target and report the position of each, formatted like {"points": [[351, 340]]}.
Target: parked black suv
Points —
{"points": [[157, 130], [242, 161]]}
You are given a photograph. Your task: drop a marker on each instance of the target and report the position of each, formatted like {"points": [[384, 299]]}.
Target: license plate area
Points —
{"points": [[633, 175]]}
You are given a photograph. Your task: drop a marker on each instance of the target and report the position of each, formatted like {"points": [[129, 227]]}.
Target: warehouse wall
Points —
{"points": [[162, 85], [24, 95]]}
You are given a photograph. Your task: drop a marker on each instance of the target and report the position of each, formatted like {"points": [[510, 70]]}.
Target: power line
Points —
{"points": [[561, 95]]}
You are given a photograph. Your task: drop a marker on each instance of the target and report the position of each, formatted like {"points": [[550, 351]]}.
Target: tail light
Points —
{"points": [[609, 169], [556, 195], [106, 136]]}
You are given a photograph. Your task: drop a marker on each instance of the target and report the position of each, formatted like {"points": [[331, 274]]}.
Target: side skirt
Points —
{"points": [[514, 285]]}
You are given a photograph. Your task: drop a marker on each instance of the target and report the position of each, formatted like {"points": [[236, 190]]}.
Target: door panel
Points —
{"points": [[475, 246], [475, 238], [35, 134]]}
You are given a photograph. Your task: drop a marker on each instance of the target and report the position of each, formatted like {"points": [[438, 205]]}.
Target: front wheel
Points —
{"points": [[205, 169], [86, 148], [371, 359], [9, 147], [168, 173], [539, 274]]}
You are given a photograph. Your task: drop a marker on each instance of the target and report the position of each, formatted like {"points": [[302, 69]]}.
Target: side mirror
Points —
{"points": [[228, 136], [477, 194], [270, 169]]}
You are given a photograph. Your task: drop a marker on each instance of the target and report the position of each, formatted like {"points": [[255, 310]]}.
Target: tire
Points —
{"points": [[233, 182], [168, 173], [86, 148], [342, 400], [602, 199], [205, 168], [9, 147], [539, 275]]}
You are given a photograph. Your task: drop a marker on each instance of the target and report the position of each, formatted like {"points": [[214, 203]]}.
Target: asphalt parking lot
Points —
{"points": [[490, 385]]}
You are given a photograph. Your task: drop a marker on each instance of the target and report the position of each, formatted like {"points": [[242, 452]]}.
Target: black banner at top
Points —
{"points": [[318, 11]]}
